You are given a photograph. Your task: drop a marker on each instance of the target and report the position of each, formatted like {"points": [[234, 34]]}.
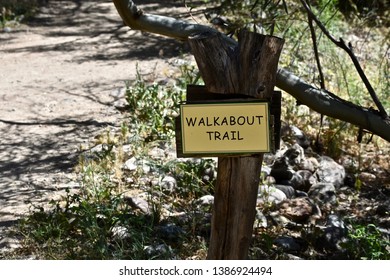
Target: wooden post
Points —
{"points": [[250, 69]]}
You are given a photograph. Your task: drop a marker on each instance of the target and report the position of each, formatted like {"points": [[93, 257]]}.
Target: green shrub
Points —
{"points": [[152, 108], [85, 224], [13, 11], [367, 242]]}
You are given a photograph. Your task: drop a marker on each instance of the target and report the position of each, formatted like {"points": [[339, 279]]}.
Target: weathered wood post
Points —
{"points": [[248, 68]]}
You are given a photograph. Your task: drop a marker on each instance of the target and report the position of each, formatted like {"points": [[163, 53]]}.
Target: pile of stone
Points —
{"points": [[299, 190]]}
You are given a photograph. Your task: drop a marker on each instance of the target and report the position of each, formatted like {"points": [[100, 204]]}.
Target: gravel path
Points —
{"points": [[61, 77]]}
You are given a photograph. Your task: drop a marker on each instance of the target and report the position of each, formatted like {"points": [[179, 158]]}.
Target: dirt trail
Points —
{"points": [[60, 79]]}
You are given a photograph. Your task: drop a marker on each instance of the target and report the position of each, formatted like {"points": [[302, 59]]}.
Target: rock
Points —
{"points": [[209, 175], [201, 222], [127, 148], [384, 231], [333, 235], [290, 244], [206, 200], [97, 149], [334, 221], [8, 243], [120, 232], [130, 164], [286, 163], [295, 155], [268, 159], [270, 195], [289, 191], [138, 203], [311, 164], [300, 137], [281, 170], [299, 193], [300, 210], [307, 180], [330, 171], [324, 194], [366, 177], [94, 153], [292, 257], [293, 134], [261, 220], [146, 166], [134, 164], [170, 232], [156, 152], [269, 180], [296, 181], [278, 219], [168, 184], [265, 171], [159, 251]]}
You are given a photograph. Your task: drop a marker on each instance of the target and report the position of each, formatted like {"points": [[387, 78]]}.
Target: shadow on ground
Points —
{"points": [[39, 149], [94, 23]]}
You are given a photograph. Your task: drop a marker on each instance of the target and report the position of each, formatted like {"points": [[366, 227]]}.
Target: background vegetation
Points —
{"points": [[99, 223], [12, 12], [363, 24]]}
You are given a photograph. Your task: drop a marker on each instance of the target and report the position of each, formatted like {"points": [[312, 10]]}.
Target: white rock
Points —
{"points": [[156, 153], [270, 194], [120, 232], [130, 164], [205, 200], [168, 184]]}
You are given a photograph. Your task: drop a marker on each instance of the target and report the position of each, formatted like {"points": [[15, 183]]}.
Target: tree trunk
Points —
{"points": [[234, 207], [249, 69]]}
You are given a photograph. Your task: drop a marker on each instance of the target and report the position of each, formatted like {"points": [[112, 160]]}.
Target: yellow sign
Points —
{"points": [[225, 128]]}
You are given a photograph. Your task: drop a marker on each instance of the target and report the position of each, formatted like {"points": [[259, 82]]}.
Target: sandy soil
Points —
{"points": [[61, 77]]}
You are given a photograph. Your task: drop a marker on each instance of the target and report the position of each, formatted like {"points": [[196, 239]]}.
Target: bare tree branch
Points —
{"points": [[355, 61], [323, 102], [327, 103], [321, 75], [136, 19], [316, 55]]}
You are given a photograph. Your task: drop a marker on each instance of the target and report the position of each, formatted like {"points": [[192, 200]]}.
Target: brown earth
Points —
{"points": [[61, 77]]}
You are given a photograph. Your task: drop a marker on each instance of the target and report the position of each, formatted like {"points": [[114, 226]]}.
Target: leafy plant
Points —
{"points": [[152, 109], [85, 226], [288, 20], [367, 242], [12, 12], [96, 221], [195, 178]]}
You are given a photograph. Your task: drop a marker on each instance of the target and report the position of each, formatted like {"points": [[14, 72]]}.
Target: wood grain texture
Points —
{"points": [[248, 68], [234, 207]]}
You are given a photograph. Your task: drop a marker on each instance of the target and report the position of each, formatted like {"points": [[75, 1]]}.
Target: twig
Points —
{"points": [[315, 48], [355, 61], [189, 11], [321, 75]]}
